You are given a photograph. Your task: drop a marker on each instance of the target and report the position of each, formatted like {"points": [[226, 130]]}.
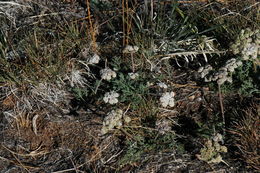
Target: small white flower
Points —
{"points": [[127, 119], [239, 63], [133, 75], [229, 79], [251, 49], [148, 84], [218, 138], [111, 97], [204, 71], [231, 69], [167, 99], [244, 57], [94, 59], [130, 49], [200, 70], [202, 74], [107, 74], [247, 44], [162, 85]]}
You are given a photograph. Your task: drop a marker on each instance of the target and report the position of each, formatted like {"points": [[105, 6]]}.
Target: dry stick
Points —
{"points": [[91, 27], [133, 63], [76, 169], [152, 25], [151, 13], [127, 22], [221, 108], [128, 29], [146, 6], [123, 21]]}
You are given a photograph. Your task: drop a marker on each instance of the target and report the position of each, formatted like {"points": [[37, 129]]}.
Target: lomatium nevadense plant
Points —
{"points": [[247, 44], [246, 48]]}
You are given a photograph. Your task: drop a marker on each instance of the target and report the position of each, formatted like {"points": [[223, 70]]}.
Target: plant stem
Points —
{"points": [[133, 64], [221, 108], [91, 27]]}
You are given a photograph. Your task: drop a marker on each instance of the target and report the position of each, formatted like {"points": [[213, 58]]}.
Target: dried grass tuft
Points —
{"points": [[246, 136]]}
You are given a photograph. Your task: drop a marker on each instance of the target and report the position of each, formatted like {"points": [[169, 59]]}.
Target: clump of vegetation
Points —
{"points": [[106, 86], [245, 132], [247, 44], [212, 149], [140, 147], [115, 118], [246, 50]]}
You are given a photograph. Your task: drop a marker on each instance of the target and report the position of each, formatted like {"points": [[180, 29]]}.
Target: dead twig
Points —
{"points": [[221, 108]]}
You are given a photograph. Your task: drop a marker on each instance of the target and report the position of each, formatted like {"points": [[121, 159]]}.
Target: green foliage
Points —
{"points": [[244, 82], [79, 93], [134, 151], [206, 130], [164, 30], [131, 90], [141, 145], [119, 65]]}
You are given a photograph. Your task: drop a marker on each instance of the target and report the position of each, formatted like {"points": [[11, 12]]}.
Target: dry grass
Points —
{"points": [[246, 135]]}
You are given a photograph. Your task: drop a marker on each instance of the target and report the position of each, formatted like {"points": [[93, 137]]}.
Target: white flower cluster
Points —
{"points": [[107, 74], [133, 75], [218, 138], [221, 77], [162, 85], [167, 99], [114, 119], [111, 97], [232, 64], [149, 84], [223, 74], [94, 59], [203, 71], [211, 152], [247, 44]]}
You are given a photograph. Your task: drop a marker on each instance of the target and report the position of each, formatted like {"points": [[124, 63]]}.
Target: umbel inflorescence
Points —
{"points": [[246, 45], [114, 119], [222, 75], [211, 152]]}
